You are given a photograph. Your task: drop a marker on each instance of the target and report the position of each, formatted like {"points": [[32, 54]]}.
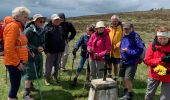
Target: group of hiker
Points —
{"points": [[24, 41]]}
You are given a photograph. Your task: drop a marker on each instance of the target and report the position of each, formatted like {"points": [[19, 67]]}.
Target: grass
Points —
{"points": [[145, 23]]}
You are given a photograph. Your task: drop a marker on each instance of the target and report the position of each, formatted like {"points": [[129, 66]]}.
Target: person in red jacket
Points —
{"points": [[158, 59]]}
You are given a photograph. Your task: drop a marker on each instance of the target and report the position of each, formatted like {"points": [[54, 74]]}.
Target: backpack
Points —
{"points": [[1, 40], [142, 56]]}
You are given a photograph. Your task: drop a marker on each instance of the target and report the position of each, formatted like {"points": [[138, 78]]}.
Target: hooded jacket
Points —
{"points": [[67, 27], [153, 58], [15, 44], [134, 47], [99, 44], [54, 38], [116, 34]]}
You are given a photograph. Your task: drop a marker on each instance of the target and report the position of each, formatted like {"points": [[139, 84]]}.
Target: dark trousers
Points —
{"points": [[15, 78]]}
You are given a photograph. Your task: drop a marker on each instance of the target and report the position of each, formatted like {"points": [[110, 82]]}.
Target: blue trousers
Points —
{"points": [[15, 78], [81, 64]]}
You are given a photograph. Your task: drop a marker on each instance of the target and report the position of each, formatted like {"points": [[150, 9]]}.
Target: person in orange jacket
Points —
{"points": [[15, 49]]}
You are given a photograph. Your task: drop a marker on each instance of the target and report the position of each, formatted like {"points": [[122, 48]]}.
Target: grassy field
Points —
{"points": [[145, 23]]}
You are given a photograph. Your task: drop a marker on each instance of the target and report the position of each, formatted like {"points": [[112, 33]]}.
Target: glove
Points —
{"points": [[74, 51], [166, 58], [95, 55]]}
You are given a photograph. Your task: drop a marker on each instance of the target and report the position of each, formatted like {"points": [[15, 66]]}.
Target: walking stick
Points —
{"points": [[35, 69], [74, 56], [6, 76]]}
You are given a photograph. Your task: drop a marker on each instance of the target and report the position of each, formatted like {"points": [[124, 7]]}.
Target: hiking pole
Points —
{"points": [[74, 56], [6, 76], [35, 69], [106, 58], [37, 80]]}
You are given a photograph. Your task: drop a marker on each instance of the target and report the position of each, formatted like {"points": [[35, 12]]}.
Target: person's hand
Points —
{"points": [[166, 58], [124, 49], [21, 67], [95, 55], [90, 50], [32, 54], [40, 49], [74, 51]]}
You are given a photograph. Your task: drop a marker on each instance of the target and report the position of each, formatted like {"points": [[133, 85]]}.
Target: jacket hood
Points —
{"points": [[62, 16], [8, 19], [28, 24]]}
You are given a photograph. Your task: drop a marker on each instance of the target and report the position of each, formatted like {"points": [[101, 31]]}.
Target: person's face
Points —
{"points": [[56, 22], [114, 22], [126, 31], [100, 29], [163, 40], [23, 18], [40, 22], [88, 31]]}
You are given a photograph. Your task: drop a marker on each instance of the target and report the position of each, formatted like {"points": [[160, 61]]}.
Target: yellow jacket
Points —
{"points": [[115, 34]]}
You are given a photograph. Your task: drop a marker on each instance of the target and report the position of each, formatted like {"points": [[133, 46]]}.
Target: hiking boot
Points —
{"points": [[74, 83], [64, 69], [115, 78], [127, 96], [109, 76], [28, 97], [32, 88], [47, 82], [56, 80], [88, 77]]}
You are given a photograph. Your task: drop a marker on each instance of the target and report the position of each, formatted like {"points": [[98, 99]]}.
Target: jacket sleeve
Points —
{"points": [[89, 44], [72, 30], [45, 32], [107, 46], [149, 60], [11, 35], [79, 43], [29, 34], [138, 49]]}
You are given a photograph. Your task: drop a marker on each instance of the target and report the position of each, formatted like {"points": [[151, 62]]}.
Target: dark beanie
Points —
{"points": [[62, 16]]}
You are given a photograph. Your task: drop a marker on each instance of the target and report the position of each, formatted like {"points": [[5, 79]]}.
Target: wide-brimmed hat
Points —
{"points": [[100, 24], [36, 16], [54, 17]]}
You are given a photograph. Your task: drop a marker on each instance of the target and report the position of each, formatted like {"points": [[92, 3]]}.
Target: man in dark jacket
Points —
{"points": [[68, 28], [54, 47]]}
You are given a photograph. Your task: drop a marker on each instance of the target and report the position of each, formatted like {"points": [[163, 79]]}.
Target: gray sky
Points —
{"points": [[81, 7]]}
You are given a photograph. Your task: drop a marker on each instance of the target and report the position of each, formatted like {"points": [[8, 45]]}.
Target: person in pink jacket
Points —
{"points": [[98, 45], [157, 57]]}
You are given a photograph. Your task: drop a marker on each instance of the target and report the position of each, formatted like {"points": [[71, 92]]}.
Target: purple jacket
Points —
{"points": [[99, 44]]}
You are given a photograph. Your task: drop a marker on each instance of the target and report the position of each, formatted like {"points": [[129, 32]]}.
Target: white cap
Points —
{"points": [[54, 17], [100, 24], [36, 16], [166, 34]]}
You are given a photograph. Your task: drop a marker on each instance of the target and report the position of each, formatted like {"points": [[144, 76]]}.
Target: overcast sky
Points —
{"points": [[81, 7]]}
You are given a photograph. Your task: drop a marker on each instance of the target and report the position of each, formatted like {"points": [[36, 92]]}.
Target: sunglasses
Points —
{"points": [[42, 21]]}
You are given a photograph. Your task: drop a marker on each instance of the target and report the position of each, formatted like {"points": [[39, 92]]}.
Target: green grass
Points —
{"points": [[145, 23]]}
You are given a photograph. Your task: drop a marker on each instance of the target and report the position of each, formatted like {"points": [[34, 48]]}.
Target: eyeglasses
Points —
{"points": [[42, 21]]}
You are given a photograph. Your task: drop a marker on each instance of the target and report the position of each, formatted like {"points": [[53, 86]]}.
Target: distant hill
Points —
{"points": [[144, 21]]}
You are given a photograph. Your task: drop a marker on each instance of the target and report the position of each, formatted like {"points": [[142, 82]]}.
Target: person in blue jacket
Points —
{"points": [[83, 40], [131, 48]]}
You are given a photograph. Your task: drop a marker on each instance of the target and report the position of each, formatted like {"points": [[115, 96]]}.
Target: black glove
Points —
{"points": [[74, 51], [166, 58]]}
